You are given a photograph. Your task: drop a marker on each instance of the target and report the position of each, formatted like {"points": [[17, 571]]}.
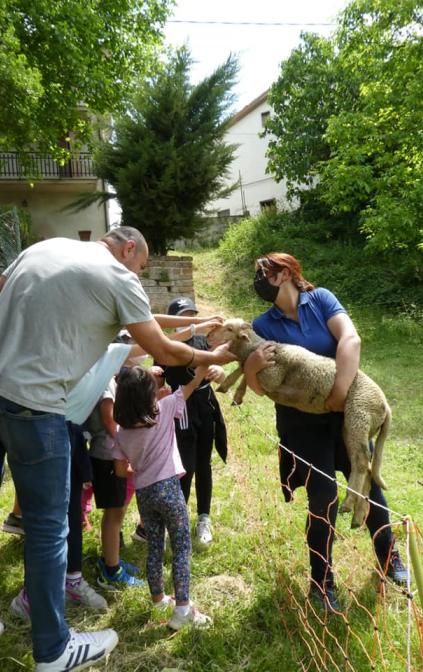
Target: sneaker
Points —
{"points": [[82, 650], [324, 598], [192, 617], [129, 567], [80, 592], [396, 571], [139, 534], [13, 524], [121, 579], [19, 607], [165, 603], [204, 535]]}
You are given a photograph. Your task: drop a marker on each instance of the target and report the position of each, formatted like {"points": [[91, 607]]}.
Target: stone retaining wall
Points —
{"points": [[165, 278]]}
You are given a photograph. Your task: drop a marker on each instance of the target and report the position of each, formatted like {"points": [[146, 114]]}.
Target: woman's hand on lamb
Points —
{"points": [[335, 402], [260, 359]]}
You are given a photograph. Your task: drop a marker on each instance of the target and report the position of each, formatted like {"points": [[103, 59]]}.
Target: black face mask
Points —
{"points": [[263, 288]]}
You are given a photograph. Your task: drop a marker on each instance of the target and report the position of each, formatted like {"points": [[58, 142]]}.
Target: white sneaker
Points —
{"points": [[165, 603], [81, 592], [204, 534], [82, 650], [192, 617]]}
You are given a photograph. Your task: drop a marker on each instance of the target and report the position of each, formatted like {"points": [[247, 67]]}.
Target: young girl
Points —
{"points": [[146, 441]]}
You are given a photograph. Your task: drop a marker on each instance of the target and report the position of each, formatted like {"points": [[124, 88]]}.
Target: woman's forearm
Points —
{"points": [[347, 362], [252, 382], [347, 359], [258, 360]]}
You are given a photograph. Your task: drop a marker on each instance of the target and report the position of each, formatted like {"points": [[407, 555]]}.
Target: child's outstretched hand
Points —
{"points": [[201, 372], [215, 373], [164, 391], [158, 374], [209, 325]]}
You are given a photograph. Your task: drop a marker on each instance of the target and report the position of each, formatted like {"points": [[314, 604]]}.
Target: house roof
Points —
{"points": [[249, 108]]}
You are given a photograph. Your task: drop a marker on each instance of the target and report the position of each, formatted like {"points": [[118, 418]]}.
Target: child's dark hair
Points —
{"points": [[135, 403]]}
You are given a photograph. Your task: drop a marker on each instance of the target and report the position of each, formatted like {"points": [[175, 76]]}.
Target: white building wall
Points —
{"points": [[250, 163], [45, 202]]}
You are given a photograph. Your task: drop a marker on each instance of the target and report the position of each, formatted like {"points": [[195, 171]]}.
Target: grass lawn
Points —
{"points": [[253, 579]]}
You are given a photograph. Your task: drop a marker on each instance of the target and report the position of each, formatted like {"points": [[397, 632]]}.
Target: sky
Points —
{"points": [[260, 48]]}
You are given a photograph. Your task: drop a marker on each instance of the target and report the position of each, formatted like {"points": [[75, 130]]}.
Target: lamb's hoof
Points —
{"points": [[236, 403], [345, 508], [355, 524], [381, 483]]}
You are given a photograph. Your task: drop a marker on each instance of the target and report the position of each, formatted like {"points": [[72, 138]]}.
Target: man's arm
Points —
{"points": [[173, 353]]}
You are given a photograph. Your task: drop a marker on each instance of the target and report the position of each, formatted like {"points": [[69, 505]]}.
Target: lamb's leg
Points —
{"points": [[378, 451], [361, 508], [230, 380], [240, 392], [359, 455], [356, 433]]}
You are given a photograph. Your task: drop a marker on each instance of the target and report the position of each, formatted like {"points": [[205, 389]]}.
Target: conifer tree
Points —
{"points": [[167, 158]]}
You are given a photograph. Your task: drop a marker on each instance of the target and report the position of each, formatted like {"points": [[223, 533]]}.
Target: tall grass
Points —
{"points": [[253, 579]]}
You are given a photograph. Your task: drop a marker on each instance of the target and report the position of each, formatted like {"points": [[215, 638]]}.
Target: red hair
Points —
{"points": [[276, 261]]}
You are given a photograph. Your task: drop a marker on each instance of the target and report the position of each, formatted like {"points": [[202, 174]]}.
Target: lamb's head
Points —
{"points": [[231, 331]]}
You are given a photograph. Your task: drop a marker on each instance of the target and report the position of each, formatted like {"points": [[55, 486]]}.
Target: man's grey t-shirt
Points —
{"points": [[62, 304]]}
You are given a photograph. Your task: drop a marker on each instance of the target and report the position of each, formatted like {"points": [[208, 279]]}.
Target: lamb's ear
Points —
{"points": [[245, 327]]}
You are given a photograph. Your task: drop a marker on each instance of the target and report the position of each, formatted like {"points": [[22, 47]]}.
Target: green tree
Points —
{"points": [[167, 158], [376, 162], [353, 116], [303, 99], [56, 55]]}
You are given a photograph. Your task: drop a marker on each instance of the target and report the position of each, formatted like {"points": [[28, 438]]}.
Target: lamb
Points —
{"points": [[304, 380]]}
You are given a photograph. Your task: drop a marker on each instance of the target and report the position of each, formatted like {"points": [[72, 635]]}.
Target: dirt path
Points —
{"points": [[207, 308]]}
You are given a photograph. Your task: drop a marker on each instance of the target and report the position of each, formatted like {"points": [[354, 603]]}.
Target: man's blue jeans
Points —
{"points": [[38, 453]]}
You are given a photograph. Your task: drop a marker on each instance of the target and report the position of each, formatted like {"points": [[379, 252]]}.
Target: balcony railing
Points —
{"points": [[33, 165]]}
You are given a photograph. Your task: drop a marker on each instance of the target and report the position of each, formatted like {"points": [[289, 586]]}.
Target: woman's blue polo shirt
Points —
{"points": [[315, 308]]}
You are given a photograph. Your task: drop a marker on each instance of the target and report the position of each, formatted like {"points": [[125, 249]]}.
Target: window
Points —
{"points": [[269, 203], [264, 117]]}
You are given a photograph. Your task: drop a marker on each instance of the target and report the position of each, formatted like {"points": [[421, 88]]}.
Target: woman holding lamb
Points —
{"points": [[314, 319]]}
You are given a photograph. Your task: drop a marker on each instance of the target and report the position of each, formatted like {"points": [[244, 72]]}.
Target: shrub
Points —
{"points": [[357, 275]]}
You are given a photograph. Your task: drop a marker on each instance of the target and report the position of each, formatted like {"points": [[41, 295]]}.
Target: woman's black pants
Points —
{"points": [[318, 440]]}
